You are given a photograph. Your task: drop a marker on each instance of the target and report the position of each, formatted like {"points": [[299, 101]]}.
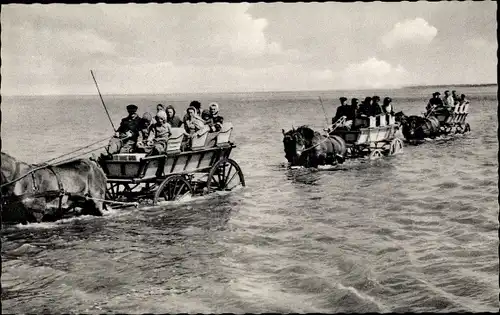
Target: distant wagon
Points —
{"points": [[453, 121], [204, 169], [372, 137]]}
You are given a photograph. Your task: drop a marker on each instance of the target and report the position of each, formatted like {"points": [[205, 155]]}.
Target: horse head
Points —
{"points": [[294, 144], [8, 168], [400, 118]]}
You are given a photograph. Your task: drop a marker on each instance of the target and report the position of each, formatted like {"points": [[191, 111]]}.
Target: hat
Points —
{"points": [[214, 105], [354, 100], [161, 114], [376, 98], [343, 99], [193, 108], [387, 99], [436, 93], [132, 108]]}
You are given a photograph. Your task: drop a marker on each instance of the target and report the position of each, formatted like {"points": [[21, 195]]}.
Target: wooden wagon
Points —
{"points": [[454, 120], [203, 169], [373, 136]]}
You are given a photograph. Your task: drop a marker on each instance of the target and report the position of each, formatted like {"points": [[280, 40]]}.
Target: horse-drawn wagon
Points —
{"points": [[454, 120], [373, 136], [203, 169]]}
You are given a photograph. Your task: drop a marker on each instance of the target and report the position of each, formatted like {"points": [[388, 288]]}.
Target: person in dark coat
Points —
{"points": [[376, 109], [145, 126], [126, 135], [434, 103], [172, 119], [342, 110], [212, 118], [353, 110], [365, 107]]}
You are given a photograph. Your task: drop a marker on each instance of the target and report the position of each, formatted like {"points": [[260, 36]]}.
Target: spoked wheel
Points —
{"points": [[396, 147], [225, 175], [173, 188], [115, 191], [376, 154]]}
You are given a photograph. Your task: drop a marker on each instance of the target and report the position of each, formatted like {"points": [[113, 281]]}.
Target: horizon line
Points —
{"points": [[262, 91]]}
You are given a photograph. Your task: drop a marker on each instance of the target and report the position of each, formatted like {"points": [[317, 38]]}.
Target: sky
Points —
{"points": [[241, 47]]}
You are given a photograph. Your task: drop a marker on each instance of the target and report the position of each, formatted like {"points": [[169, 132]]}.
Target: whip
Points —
{"points": [[97, 86]]}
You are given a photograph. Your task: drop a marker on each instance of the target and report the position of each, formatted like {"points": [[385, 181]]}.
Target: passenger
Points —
{"points": [[212, 118], [160, 132], [463, 100], [172, 119], [365, 108], [145, 126], [353, 109], [387, 106], [197, 106], [456, 99], [126, 135], [342, 110], [376, 109], [448, 100], [434, 102], [159, 108], [193, 122]]}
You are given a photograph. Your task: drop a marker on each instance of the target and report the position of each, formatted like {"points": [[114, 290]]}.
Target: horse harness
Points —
{"points": [[36, 187]]}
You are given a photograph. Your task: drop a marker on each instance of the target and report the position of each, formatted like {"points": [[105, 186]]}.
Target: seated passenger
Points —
{"points": [[212, 118], [434, 102], [197, 106], [193, 123], [353, 109], [365, 108], [126, 135], [375, 108], [448, 100], [160, 132], [342, 110], [456, 99], [173, 120], [463, 100], [145, 126], [159, 108], [387, 106]]}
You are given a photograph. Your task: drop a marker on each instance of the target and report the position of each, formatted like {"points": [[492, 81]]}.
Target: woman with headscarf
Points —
{"points": [[212, 118], [193, 122], [160, 132], [172, 119]]}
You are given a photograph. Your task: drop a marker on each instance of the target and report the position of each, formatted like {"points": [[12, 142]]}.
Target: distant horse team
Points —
{"points": [[305, 147]]}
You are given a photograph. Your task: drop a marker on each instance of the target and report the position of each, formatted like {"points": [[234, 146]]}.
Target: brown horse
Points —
{"points": [[417, 127], [34, 193], [306, 147]]}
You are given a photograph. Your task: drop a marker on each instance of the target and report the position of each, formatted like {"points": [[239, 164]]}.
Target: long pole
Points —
{"points": [[97, 86], [324, 111]]}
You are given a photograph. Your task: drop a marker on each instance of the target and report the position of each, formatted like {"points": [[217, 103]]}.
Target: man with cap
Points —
{"points": [[126, 135], [434, 102], [145, 126], [342, 110]]}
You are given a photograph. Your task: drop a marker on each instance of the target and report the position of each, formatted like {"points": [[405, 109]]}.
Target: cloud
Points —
{"points": [[373, 73], [417, 31]]}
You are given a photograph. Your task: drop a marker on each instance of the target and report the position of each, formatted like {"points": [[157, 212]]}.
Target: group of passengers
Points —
{"points": [[369, 107], [447, 103], [150, 134]]}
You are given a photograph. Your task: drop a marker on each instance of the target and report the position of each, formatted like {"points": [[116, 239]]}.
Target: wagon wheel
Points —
{"points": [[225, 175], [173, 188], [467, 128], [376, 154], [115, 191], [396, 147]]}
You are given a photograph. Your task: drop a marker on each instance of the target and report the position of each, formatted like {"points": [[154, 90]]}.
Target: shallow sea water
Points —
{"points": [[414, 232]]}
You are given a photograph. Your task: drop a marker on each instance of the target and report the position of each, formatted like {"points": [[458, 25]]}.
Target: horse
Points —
{"points": [[306, 147], [35, 193], [417, 127]]}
